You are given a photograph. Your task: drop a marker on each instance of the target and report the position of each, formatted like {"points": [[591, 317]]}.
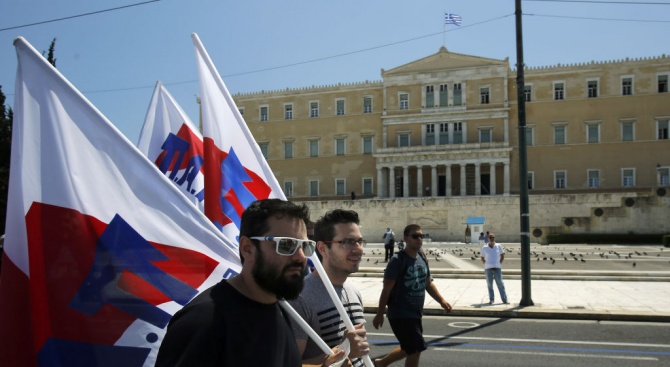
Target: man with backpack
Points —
{"points": [[389, 242], [406, 281]]}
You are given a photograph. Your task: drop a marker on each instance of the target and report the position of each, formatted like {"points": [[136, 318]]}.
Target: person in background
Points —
{"points": [[238, 322], [340, 248], [406, 281], [389, 242], [468, 233], [493, 255]]}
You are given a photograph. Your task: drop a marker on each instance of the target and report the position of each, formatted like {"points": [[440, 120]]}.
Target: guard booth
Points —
{"points": [[476, 228]]}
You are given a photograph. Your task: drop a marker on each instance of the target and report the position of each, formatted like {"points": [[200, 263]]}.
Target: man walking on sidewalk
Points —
{"points": [[406, 281], [493, 255]]}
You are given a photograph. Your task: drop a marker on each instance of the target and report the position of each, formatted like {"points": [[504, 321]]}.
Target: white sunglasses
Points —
{"points": [[287, 246]]}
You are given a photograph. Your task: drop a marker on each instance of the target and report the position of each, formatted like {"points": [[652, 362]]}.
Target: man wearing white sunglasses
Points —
{"points": [[340, 248], [238, 322]]}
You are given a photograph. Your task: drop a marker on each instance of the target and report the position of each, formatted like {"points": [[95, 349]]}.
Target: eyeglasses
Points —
{"points": [[491, 237], [351, 243], [417, 235], [287, 246]]}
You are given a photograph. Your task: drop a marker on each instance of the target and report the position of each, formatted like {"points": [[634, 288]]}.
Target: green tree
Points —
{"points": [[50, 56], [6, 117]]}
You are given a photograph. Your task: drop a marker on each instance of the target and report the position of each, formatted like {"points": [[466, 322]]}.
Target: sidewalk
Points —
{"points": [[564, 299]]}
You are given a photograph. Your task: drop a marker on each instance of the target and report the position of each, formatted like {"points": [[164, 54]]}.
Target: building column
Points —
{"points": [[380, 182], [506, 179], [392, 182], [462, 179], [433, 180], [405, 181], [492, 175], [419, 181], [448, 180], [478, 178]]}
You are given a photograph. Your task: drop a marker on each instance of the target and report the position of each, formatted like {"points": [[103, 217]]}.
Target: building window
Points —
{"points": [[458, 98], [367, 104], [458, 133], [444, 134], [313, 148], [663, 176], [592, 88], [662, 83], [628, 177], [313, 188], [444, 95], [560, 179], [484, 95], [288, 111], [430, 134], [594, 178], [485, 135], [367, 186], [627, 131], [288, 189], [430, 96], [339, 106], [404, 101], [403, 139], [559, 91], [527, 92], [559, 135], [339, 146], [530, 180], [367, 145], [264, 149], [529, 136], [339, 187], [626, 86], [288, 149], [264, 113], [662, 129], [313, 109], [592, 133]]}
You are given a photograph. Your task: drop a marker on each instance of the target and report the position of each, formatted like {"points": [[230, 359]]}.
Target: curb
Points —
{"points": [[529, 313]]}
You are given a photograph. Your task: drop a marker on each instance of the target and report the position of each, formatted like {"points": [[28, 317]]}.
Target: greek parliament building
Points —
{"points": [[446, 126]]}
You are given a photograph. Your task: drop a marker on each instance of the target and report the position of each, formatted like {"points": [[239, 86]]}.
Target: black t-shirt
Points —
{"points": [[222, 327]]}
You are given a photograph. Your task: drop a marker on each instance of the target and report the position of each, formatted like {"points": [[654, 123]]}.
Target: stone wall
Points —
{"points": [[444, 218]]}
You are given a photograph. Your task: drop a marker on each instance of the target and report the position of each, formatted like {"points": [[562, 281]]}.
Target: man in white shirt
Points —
{"points": [[493, 255]]}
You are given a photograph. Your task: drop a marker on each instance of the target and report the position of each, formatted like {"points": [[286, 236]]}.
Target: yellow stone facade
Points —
{"points": [[447, 125]]}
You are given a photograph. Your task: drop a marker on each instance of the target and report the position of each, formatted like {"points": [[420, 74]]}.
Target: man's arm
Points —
{"points": [[383, 301], [433, 292], [502, 257]]}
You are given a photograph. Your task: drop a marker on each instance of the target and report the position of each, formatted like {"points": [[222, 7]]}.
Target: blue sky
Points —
{"points": [[116, 57]]}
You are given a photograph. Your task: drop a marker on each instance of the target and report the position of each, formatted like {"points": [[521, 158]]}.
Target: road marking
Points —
{"points": [[463, 325], [548, 341], [599, 356]]}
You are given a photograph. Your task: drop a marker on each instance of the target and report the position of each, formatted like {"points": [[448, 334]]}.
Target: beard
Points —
{"points": [[275, 281]]}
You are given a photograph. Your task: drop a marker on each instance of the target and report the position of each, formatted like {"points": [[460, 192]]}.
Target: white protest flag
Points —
{"points": [[170, 140], [101, 249], [236, 173]]}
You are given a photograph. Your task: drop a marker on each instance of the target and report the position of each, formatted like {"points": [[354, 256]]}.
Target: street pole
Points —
{"points": [[523, 165]]}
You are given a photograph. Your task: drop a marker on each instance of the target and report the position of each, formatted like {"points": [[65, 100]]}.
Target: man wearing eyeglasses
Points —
{"points": [[238, 322], [406, 281], [340, 248], [493, 256]]}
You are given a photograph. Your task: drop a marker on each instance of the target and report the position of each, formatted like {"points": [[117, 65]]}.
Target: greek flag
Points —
{"points": [[450, 18]]}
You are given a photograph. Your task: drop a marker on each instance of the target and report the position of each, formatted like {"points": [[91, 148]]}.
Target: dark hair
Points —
{"points": [[411, 228], [255, 217], [324, 230]]}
